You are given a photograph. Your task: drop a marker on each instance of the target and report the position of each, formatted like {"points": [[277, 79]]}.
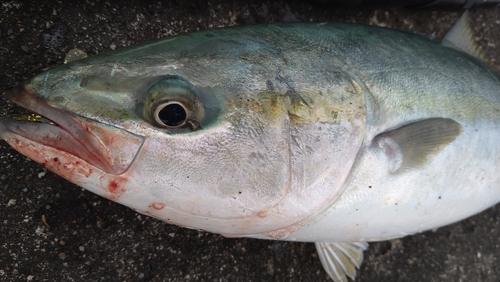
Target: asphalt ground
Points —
{"points": [[52, 230]]}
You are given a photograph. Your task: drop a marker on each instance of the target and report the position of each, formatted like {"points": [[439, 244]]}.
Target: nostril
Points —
{"points": [[83, 82]]}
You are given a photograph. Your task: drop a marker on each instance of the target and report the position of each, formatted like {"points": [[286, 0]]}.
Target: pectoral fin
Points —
{"points": [[340, 260], [413, 145]]}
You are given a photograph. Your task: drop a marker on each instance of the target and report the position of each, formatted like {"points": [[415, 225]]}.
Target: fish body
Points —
{"points": [[310, 132]]}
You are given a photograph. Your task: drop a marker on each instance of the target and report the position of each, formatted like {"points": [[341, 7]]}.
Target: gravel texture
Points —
{"points": [[51, 230]]}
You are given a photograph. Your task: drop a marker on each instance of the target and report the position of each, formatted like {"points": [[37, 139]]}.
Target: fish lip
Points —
{"points": [[67, 134]]}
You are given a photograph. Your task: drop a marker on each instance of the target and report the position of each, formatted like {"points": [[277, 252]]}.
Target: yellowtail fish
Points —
{"points": [[332, 133]]}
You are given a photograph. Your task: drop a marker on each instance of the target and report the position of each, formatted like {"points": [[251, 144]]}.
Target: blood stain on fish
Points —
{"points": [[157, 206], [116, 186]]}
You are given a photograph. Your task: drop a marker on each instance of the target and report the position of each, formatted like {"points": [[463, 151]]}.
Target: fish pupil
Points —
{"points": [[172, 115]]}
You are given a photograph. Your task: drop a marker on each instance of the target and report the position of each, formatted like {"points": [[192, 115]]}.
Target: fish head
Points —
{"points": [[193, 130]]}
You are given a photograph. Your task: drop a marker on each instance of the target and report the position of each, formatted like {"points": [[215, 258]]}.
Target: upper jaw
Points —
{"points": [[108, 148]]}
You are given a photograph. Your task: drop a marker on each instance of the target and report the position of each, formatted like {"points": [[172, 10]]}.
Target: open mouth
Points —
{"points": [[108, 148]]}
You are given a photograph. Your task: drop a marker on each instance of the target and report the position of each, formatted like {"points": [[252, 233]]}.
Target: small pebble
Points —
{"points": [[62, 256], [11, 202]]}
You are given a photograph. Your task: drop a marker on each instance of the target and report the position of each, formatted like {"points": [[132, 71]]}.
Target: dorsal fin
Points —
{"points": [[340, 260], [414, 144], [461, 37]]}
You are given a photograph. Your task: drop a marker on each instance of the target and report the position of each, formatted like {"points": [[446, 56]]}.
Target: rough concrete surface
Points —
{"points": [[51, 230]]}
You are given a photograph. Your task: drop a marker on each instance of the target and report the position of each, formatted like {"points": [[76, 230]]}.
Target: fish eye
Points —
{"points": [[171, 114], [173, 103]]}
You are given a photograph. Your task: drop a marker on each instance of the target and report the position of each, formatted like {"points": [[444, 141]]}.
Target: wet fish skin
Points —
{"points": [[257, 165]]}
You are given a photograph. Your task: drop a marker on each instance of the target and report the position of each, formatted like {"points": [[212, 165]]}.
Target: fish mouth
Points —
{"points": [[106, 147]]}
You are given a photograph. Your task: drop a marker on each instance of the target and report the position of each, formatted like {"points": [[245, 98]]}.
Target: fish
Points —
{"points": [[331, 133]]}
